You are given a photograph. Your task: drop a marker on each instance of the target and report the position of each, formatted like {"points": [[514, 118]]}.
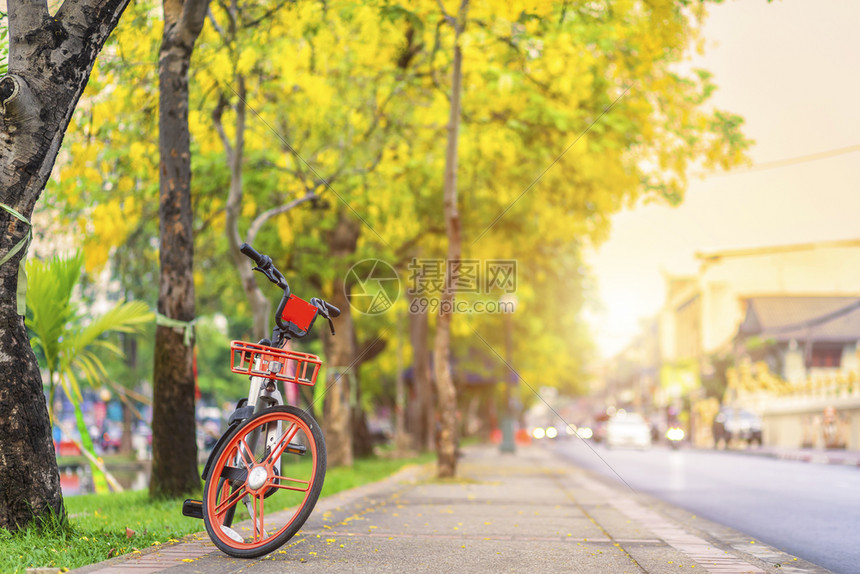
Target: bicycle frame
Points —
{"points": [[263, 393]]}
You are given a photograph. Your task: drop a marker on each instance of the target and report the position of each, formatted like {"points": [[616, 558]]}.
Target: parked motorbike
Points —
{"points": [[675, 435]]}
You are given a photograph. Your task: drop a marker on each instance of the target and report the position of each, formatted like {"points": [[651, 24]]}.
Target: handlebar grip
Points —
{"points": [[252, 253], [332, 310]]}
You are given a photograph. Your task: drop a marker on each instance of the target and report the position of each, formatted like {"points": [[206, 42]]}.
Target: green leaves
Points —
{"points": [[65, 334], [69, 338], [4, 43], [49, 306]]}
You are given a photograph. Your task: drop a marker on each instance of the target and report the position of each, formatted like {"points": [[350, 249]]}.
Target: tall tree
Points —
{"points": [[446, 392], [50, 60], [241, 23], [174, 439]]}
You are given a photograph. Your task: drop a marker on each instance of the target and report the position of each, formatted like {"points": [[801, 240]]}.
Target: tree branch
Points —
{"points": [[218, 28], [266, 15], [219, 126], [261, 219], [192, 19], [234, 195], [369, 350], [445, 14]]}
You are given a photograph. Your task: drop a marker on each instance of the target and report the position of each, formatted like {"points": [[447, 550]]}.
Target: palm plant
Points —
{"points": [[68, 339]]}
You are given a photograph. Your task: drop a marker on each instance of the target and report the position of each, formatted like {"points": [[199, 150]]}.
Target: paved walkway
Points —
{"points": [[530, 512], [815, 455]]}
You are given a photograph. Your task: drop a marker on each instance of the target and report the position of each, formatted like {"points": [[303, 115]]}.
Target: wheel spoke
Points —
{"points": [[245, 453], [231, 500], [306, 484], [259, 532], [283, 443]]}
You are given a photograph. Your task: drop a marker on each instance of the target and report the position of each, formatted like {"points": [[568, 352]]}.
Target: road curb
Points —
{"points": [[813, 456]]}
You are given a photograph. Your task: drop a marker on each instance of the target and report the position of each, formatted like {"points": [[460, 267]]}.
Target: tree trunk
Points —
{"points": [[174, 442], [29, 478], [261, 307], [446, 445], [419, 327], [401, 438], [340, 352], [125, 443], [129, 347], [362, 439], [50, 60]]}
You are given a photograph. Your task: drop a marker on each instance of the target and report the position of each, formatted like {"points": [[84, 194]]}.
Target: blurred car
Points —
{"points": [[738, 425], [628, 429]]}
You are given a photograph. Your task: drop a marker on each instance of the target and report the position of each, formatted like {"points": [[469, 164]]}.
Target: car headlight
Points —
{"points": [[675, 433]]}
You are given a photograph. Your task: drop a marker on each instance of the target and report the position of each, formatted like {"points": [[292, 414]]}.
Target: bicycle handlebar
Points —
{"points": [[253, 254], [267, 268], [331, 309]]}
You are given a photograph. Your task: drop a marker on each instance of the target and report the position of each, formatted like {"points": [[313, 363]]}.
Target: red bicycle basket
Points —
{"points": [[274, 363], [299, 312]]}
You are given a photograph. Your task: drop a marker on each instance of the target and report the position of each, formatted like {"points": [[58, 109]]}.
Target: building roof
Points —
{"points": [[713, 256], [821, 319]]}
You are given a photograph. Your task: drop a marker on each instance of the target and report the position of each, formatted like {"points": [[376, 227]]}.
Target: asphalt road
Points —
{"points": [[808, 510]]}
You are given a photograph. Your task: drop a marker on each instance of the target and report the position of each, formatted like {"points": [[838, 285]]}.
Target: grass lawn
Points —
{"points": [[97, 523]]}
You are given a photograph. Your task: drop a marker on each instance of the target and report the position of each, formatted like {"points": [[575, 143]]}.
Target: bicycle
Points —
{"points": [[261, 461]]}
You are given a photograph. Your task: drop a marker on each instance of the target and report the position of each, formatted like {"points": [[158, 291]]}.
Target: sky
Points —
{"points": [[792, 70]]}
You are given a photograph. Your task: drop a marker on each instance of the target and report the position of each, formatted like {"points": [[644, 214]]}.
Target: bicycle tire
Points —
{"points": [[245, 470]]}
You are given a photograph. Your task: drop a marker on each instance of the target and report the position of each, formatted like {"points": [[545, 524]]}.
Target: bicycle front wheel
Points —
{"points": [[265, 482]]}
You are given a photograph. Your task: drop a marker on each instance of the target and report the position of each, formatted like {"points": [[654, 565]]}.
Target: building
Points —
{"points": [[793, 309], [800, 337], [702, 313]]}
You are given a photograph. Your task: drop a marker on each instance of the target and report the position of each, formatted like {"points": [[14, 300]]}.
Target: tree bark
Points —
{"points": [[362, 439], [50, 60], [401, 438], [174, 442], [446, 392], [419, 330], [340, 352], [129, 347]]}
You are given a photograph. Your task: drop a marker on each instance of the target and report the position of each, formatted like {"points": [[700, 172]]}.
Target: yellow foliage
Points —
{"points": [[324, 81], [285, 230], [107, 227]]}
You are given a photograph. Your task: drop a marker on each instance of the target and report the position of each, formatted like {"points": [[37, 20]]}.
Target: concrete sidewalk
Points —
{"points": [[529, 512], [839, 457]]}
